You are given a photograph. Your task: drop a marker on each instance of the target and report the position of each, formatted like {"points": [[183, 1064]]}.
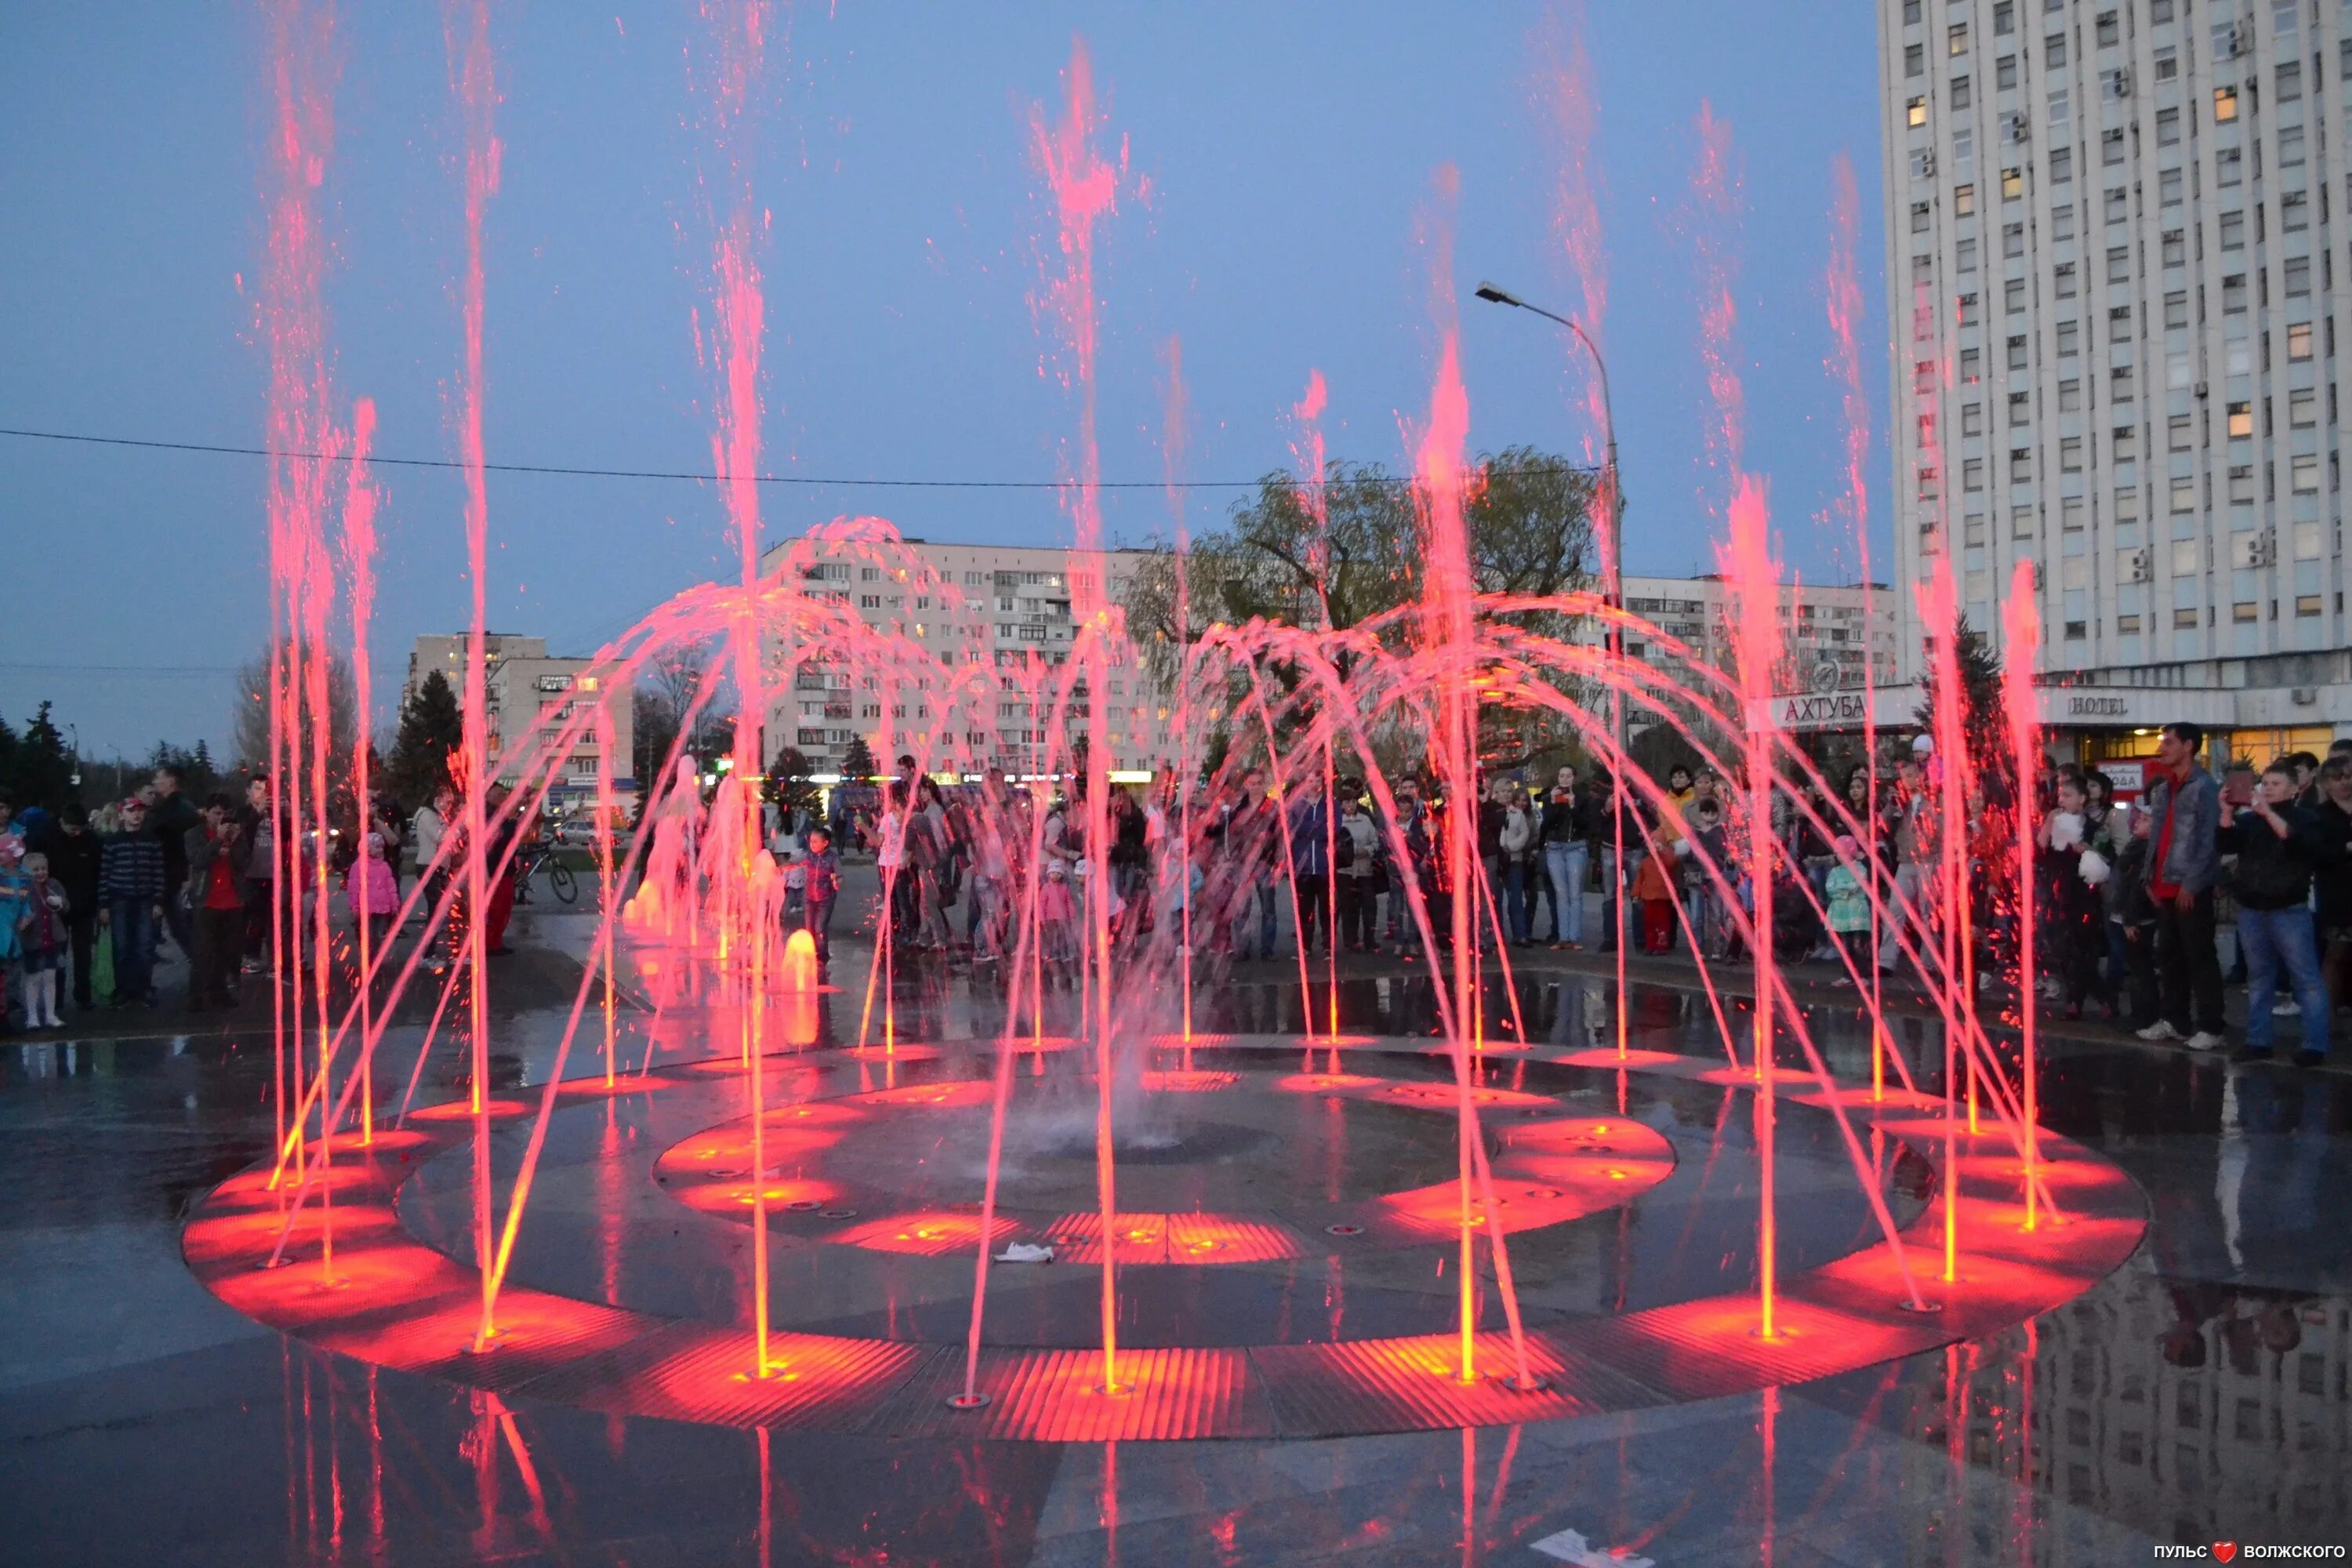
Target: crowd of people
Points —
{"points": [[2134, 900], [88, 899]]}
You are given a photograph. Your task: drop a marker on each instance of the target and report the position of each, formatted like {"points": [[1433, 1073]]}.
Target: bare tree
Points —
{"points": [[251, 721]]}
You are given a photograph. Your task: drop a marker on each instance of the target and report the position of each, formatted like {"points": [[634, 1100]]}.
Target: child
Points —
{"points": [[1849, 904], [374, 893], [42, 935], [796, 883], [821, 878], [15, 912], [1654, 888]]}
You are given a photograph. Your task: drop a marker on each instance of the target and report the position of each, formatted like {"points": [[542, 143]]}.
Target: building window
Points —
{"points": [[2307, 604], [2233, 294], [2118, 204], [2184, 620], [2229, 166], [1972, 474], [2121, 440], [2294, 212], [2298, 340], [2302, 408], [2070, 338], [2107, 31], [1919, 211], [2305, 475], [2020, 410], [1968, 312], [2244, 611], [2111, 148], [2119, 264], [2020, 465], [2233, 231], [2061, 165], [1960, 98], [2070, 455], [2168, 126], [2070, 397], [2176, 308], [2167, 63], [1965, 253], [2004, 18], [2225, 106], [2290, 83], [2012, 239], [2127, 626], [1972, 419], [2063, 278], [2184, 493], [1915, 59], [2291, 146], [2012, 296], [2242, 420], [2054, 50], [870, 601], [2242, 482], [2017, 359], [2004, 72], [2181, 433], [1915, 113], [2012, 184], [1964, 200]]}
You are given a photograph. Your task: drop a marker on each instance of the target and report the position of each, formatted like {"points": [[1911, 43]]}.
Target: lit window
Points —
{"points": [[2307, 604], [2298, 341], [1915, 112], [2225, 105], [2245, 610], [2127, 626], [1955, 41], [2242, 419], [2012, 184], [1964, 200], [2184, 620]]}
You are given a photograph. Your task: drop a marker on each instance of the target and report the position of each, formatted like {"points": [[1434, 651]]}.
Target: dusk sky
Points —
{"points": [[1279, 160]]}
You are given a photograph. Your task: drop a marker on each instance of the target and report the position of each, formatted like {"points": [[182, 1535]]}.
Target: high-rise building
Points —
{"points": [[2111, 279], [524, 685], [1010, 603]]}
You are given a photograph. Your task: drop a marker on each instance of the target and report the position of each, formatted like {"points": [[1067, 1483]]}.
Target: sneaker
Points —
{"points": [[2159, 1030], [2286, 1007], [2206, 1040]]}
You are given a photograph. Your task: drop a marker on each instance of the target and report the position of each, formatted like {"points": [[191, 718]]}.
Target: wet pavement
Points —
{"points": [[2199, 1394]]}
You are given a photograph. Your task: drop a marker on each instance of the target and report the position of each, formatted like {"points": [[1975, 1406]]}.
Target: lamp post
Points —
{"points": [[1613, 591]]}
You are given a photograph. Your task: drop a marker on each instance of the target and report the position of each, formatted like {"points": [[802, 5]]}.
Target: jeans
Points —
{"points": [[1314, 910], [2272, 939], [1614, 887], [1262, 894], [1564, 865], [135, 948], [818, 914], [1515, 897], [2189, 965]]}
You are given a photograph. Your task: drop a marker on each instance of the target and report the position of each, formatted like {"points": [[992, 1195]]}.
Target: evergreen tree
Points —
{"points": [[859, 764], [36, 770], [788, 787], [1980, 702], [431, 727]]}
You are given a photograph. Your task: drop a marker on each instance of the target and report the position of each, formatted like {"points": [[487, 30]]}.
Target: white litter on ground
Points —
{"points": [[1025, 1252], [1569, 1546]]}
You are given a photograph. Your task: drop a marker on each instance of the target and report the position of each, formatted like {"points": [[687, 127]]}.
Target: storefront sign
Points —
{"points": [[1810, 711]]}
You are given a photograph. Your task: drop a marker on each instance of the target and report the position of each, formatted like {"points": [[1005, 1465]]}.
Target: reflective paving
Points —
{"points": [[2199, 1393]]}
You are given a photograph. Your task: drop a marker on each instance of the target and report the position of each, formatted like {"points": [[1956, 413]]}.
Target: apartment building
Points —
{"points": [[2112, 248], [526, 688], [1010, 603]]}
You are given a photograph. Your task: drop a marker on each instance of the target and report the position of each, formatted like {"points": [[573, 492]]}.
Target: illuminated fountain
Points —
{"points": [[1490, 1156]]}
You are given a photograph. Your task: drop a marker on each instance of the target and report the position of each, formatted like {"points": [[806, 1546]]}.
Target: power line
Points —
{"points": [[378, 459]]}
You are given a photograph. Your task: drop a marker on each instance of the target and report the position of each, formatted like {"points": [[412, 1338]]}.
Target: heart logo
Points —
{"points": [[2224, 1549]]}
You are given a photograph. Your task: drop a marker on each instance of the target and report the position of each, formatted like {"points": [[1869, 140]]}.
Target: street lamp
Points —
{"points": [[1612, 591]]}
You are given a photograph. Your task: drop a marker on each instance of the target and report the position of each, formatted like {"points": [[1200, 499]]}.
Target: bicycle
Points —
{"points": [[560, 879]]}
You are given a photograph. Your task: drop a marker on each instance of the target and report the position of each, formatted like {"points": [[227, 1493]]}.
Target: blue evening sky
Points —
{"points": [[1288, 151]]}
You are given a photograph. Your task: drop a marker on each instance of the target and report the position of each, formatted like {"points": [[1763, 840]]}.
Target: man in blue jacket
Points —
{"points": [[2183, 867]]}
